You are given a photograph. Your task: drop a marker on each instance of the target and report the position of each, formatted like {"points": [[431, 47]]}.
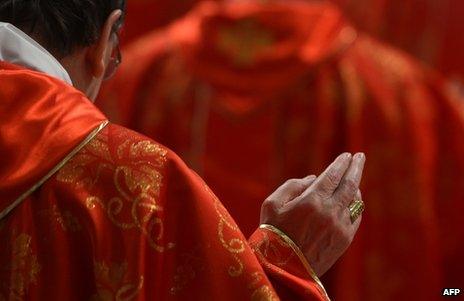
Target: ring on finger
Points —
{"points": [[356, 209]]}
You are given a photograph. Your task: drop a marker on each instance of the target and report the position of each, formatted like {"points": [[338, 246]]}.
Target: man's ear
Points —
{"points": [[97, 52]]}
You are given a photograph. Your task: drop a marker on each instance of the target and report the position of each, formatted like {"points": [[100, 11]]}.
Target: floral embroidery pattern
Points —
{"points": [[234, 245], [264, 293], [261, 292], [63, 218], [279, 251], [23, 268], [192, 264], [112, 284], [134, 167]]}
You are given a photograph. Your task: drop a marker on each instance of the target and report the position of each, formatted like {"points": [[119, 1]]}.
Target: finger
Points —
{"points": [[291, 189], [355, 226], [349, 185], [328, 181]]}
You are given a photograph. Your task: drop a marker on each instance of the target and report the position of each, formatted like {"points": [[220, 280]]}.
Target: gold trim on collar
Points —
{"points": [[298, 252], [63, 162]]}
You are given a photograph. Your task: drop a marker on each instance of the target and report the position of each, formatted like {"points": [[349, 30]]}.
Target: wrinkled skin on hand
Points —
{"points": [[314, 213]]}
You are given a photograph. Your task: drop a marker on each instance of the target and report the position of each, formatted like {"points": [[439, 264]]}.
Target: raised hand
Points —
{"points": [[314, 212]]}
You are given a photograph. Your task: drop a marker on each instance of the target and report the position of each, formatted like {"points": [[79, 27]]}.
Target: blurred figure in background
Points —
{"points": [[432, 34], [253, 92]]}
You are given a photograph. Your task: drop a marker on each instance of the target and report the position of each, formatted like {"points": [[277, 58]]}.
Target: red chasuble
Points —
{"points": [[253, 94], [93, 211]]}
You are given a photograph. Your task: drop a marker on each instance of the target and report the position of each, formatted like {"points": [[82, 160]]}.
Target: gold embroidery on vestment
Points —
{"points": [[261, 292], [264, 293], [23, 268], [234, 245], [64, 218], [112, 284], [191, 265], [137, 184]]}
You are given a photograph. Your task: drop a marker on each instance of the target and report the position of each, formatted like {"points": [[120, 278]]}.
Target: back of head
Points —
{"points": [[61, 26]]}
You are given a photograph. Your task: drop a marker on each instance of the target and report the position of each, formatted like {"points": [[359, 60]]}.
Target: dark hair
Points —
{"points": [[61, 25]]}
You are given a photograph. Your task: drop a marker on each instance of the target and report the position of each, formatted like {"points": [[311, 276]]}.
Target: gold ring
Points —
{"points": [[356, 209]]}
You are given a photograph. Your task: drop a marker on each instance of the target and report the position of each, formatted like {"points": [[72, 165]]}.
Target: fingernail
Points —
{"points": [[360, 156], [346, 155]]}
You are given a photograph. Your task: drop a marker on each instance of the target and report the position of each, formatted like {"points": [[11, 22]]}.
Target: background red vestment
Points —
{"points": [[429, 29], [143, 16], [253, 94], [124, 218]]}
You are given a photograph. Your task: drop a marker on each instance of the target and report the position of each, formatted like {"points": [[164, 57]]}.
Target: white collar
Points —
{"points": [[18, 48]]}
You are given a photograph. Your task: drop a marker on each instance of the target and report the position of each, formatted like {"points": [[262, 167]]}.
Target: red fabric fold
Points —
{"points": [[41, 120]]}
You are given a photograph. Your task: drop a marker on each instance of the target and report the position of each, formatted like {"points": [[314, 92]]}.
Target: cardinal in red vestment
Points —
{"points": [[254, 92], [90, 210]]}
